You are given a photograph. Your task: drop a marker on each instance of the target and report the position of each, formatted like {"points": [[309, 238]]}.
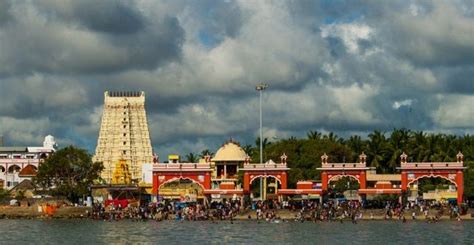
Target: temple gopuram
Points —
{"points": [[123, 135]]}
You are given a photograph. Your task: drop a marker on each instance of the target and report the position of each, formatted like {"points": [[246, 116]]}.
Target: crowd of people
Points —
{"points": [[168, 211], [303, 210]]}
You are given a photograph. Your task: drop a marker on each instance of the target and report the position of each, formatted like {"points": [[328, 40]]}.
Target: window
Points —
{"points": [[124, 134], [125, 152], [124, 126], [125, 143]]}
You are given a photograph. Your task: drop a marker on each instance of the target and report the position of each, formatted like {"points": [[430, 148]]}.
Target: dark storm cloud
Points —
{"points": [[4, 12], [457, 80], [86, 37], [112, 17]]}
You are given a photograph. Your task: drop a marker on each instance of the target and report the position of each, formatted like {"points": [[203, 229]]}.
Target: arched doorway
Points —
{"points": [[268, 184], [182, 190], [12, 176], [14, 169], [343, 187], [433, 189]]}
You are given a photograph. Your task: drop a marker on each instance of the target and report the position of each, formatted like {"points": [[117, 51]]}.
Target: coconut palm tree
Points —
{"points": [[265, 142], [377, 151], [314, 135], [332, 137], [205, 153], [191, 157], [248, 149], [417, 145], [356, 144]]}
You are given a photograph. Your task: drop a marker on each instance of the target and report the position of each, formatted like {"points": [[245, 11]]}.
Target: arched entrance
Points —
{"points": [[450, 171], [330, 171], [270, 185], [429, 188], [276, 172], [14, 169], [199, 174], [182, 189], [343, 187]]}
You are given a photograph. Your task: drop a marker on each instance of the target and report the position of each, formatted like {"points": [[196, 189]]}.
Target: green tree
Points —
{"points": [[314, 135], [377, 151], [68, 173], [206, 152], [4, 194], [333, 137], [357, 145], [248, 149], [345, 183], [191, 157], [265, 142]]}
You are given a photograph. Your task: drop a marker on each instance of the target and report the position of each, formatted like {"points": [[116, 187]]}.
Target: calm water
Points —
{"points": [[243, 232]]}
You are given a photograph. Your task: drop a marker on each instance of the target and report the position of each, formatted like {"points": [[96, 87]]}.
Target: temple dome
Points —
{"points": [[230, 152]]}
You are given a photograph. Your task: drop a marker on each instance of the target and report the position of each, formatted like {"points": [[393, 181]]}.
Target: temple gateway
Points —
{"points": [[124, 139], [231, 175]]}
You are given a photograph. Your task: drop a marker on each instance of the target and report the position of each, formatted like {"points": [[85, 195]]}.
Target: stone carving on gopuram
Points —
{"points": [[124, 134]]}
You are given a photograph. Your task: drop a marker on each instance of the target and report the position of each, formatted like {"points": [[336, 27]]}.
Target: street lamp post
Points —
{"points": [[260, 87]]}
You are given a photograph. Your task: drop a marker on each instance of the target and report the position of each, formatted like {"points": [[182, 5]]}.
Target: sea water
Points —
{"points": [[238, 232]]}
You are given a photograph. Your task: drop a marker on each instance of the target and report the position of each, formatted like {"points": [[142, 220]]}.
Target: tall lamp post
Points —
{"points": [[260, 87]]}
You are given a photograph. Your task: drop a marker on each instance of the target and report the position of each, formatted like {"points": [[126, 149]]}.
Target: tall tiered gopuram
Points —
{"points": [[124, 134]]}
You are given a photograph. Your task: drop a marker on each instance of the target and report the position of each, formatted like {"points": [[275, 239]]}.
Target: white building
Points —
{"points": [[20, 163]]}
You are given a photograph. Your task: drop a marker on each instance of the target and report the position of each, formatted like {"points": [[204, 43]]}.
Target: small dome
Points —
{"points": [[230, 152], [49, 142]]}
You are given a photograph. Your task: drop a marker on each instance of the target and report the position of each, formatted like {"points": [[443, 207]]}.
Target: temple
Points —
{"points": [[124, 139]]}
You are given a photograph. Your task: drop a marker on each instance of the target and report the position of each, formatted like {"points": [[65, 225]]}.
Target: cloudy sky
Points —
{"points": [[345, 66]]}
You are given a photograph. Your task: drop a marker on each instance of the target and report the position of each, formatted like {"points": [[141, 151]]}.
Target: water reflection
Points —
{"points": [[247, 232]]}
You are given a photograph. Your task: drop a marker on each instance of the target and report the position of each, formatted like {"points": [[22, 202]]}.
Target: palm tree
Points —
{"points": [[431, 147], [248, 149], [333, 138], [314, 135], [191, 157], [399, 139], [377, 150], [265, 142], [356, 144], [417, 145], [205, 153]]}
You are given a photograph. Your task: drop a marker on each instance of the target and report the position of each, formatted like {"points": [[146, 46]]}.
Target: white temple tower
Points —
{"points": [[124, 134]]}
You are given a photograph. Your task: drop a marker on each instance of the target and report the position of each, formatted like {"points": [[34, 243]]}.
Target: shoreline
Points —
{"points": [[68, 212]]}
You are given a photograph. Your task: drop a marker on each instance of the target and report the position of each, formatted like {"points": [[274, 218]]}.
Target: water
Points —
{"points": [[241, 232]]}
